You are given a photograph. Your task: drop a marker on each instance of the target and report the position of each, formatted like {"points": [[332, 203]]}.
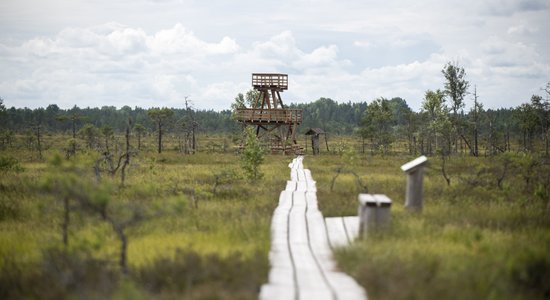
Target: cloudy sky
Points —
{"points": [[155, 52]]}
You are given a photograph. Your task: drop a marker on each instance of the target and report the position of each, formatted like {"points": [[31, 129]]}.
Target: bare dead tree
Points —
{"points": [[140, 130], [341, 170], [477, 108], [107, 158], [160, 116], [472, 150], [126, 156], [443, 170], [503, 173], [338, 172], [363, 187], [120, 227], [189, 126], [86, 203], [89, 199], [122, 162]]}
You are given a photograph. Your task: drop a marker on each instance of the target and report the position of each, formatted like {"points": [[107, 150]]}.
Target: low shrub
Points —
{"points": [[204, 276], [60, 275]]}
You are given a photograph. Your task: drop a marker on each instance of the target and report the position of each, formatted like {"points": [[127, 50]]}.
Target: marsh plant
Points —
{"points": [[483, 236], [68, 234], [347, 159], [252, 156], [195, 227]]}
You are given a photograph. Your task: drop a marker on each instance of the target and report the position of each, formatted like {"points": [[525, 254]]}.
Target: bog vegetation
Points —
{"points": [[179, 227], [176, 203]]}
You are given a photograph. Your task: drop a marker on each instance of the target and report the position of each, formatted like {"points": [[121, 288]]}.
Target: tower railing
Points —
{"points": [[259, 115], [270, 81]]}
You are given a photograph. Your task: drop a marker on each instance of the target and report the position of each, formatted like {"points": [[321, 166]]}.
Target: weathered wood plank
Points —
{"points": [[346, 287], [337, 232], [352, 227], [277, 292], [316, 294], [307, 271], [311, 198], [294, 175], [307, 174], [297, 222], [301, 186], [301, 175], [290, 185], [301, 260], [285, 199]]}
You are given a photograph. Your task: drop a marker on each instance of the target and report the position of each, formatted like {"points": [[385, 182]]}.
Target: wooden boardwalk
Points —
{"points": [[342, 230], [302, 266]]}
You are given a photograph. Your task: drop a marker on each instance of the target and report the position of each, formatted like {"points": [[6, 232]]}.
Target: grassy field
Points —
{"points": [[207, 236], [473, 240]]}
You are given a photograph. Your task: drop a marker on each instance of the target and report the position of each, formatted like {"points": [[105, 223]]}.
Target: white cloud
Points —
{"points": [[362, 44], [514, 58], [282, 45], [320, 57], [510, 7], [179, 40], [522, 29], [110, 64], [346, 50]]}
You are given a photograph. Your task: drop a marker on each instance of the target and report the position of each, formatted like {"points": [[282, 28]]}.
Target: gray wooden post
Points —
{"points": [[415, 177], [374, 213]]}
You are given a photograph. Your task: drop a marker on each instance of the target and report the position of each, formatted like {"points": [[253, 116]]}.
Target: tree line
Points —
{"points": [[442, 126], [55, 119]]}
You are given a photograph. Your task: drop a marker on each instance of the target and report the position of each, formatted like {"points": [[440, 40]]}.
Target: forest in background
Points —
{"points": [[443, 126], [339, 118], [396, 122]]}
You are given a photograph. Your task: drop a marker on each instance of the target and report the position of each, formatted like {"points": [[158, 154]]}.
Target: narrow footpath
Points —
{"points": [[302, 266]]}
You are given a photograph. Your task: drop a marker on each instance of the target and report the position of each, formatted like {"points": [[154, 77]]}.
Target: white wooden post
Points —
{"points": [[415, 177], [374, 212]]}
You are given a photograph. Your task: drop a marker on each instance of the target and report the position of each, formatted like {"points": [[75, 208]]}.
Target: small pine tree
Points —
{"points": [[252, 156]]}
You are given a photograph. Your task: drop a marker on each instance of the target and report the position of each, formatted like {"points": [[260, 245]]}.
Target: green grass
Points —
{"points": [[472, 240], [223, 230]]}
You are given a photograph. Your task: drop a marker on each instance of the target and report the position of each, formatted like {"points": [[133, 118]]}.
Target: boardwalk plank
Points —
{"points": [[301, 260], [294, 175], [276, 292], [301, 175], [336, 232], [290, 185], [352, 226]]}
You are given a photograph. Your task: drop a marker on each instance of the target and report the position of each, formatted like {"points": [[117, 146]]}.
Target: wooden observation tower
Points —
{"points": [[275, 124]]}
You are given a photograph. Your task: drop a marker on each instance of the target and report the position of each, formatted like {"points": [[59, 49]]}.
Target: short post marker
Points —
{"points": [[374, 213], [415, 176]]}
